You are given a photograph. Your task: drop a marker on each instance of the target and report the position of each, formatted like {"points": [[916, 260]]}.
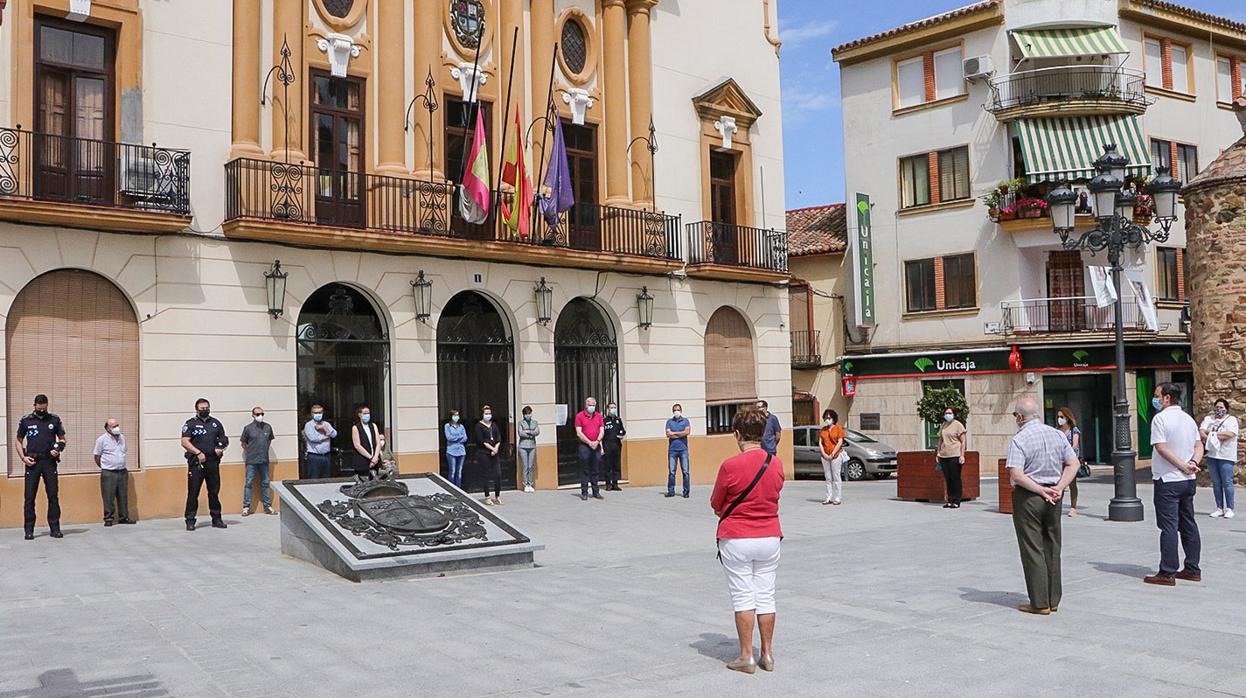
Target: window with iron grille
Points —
{"points": [[574, 46]]}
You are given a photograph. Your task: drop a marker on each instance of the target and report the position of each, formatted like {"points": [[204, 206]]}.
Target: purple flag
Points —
{"points": [[558, 180]]}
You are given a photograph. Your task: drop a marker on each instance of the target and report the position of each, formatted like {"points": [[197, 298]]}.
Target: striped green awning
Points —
{"points": [[1066, 43], [1067, 147]]}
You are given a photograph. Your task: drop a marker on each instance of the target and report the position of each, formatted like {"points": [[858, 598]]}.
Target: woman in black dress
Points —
{"points": [[366, 439], [489, 438]]}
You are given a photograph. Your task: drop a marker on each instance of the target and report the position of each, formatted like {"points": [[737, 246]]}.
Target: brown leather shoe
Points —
{"points": [[1161, 579], [1027, 608], [1189, 576]]}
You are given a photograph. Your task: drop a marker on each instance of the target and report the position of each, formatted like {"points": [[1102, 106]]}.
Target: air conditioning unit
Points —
{"points": [[978, 67]]}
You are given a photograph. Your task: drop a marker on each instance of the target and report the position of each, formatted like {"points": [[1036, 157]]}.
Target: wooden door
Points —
{"points": [[725, 242], [337, 119], [584, 219], [1066, 278]]}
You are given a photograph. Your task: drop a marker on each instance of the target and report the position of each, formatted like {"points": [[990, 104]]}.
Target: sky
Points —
{"points": [[812, 129]]}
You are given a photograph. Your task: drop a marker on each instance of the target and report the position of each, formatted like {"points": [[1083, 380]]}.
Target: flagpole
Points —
{"points": [[506, 121], [550, 113], [474, 93]]}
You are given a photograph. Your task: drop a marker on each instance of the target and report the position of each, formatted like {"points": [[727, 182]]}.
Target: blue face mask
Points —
{"points": [[614, 412], [317, 416], [1157, 403], [455, 419], [488, 417], [590, 409], [365, 418]]}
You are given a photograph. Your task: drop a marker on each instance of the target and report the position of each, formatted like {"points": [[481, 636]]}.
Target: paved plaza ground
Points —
{"points": [[877, 597]]}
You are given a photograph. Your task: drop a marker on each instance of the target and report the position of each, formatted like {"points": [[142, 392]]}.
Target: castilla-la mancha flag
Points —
{"points": [[515, 173], [474, 192]]}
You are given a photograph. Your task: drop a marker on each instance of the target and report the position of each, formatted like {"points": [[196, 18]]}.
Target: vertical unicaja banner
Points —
{"points": [[863, 269]]}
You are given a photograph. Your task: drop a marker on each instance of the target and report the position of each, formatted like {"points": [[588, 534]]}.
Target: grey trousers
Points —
{"points": [[1038, 537], [114, 488], [527, 458]]}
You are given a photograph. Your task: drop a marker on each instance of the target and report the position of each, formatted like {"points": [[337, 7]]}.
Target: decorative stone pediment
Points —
{"points": [[727, 99]]}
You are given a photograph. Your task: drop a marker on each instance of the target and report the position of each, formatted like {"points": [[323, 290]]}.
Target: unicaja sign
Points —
{"points": [[963, 365]]}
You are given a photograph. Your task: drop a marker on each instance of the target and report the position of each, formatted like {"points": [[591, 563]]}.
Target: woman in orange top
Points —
{"points": [[832, 440]]}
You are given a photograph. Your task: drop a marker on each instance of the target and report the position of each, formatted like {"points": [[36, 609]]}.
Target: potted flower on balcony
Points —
{"points": [[1008, 213], [1031, 207], [992, 199], [1144, 209]]}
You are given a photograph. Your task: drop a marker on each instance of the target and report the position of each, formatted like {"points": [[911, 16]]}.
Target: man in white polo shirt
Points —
{"points": [[109, 453], [1174, 465]]}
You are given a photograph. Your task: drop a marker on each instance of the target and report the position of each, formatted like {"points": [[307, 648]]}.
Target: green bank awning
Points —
{"points": [[1067, 147], [1066, 43]]}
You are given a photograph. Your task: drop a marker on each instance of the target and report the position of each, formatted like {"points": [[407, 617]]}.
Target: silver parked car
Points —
{"points": [[865, 455]]}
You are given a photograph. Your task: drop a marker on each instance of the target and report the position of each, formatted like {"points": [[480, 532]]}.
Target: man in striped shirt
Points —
{"points": [[1041, 464]]}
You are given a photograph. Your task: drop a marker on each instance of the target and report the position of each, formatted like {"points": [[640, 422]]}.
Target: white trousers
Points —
{"points": [[832, 469], [751, 565]]}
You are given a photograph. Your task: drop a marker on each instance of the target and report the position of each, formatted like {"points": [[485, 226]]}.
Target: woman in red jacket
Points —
{"points": [[746, 500]]}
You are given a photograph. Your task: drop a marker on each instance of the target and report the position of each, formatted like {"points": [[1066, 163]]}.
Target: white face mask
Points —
{"points": [[259, 419], [827, 422], [947, 417], [115, 431], [678, 415], [1061, 421]]}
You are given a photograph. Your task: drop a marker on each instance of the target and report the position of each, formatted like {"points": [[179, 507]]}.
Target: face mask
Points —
{"points": [[259, 418], [1157, 403], [203, 414], [949, 417], [827, 422], [1220, 411], [488, 417], [317, 416], [614, 412], [455, 419], [365, 418], [116, 431], [1061, 421], [590, 409], [41, 412], [678, 414]]}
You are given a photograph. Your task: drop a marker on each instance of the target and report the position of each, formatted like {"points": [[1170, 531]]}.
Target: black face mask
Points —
{"points": [[41, 411], [203, 414]]}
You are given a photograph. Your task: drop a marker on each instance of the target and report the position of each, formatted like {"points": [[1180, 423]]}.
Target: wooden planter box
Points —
{"points": [[1005, 488], [920, 482]]}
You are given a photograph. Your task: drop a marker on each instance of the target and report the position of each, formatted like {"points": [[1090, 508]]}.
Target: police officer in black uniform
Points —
{"points": [[40, 442], [612, 444], [204, 439]]}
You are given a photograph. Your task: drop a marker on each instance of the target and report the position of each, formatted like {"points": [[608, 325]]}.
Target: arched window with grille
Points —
{"points": [[730, 368]]}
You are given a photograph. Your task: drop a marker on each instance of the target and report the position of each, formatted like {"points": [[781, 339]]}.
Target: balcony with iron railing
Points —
{"points": [[1070, 316], [1068, 91], [730, 251], [806, 352], [80, 182], [283, 202]]}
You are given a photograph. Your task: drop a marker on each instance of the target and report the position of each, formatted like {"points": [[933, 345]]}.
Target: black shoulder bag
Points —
{"points": [[744, 495]]}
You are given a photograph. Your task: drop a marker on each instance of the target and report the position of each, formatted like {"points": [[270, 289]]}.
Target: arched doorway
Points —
{"points": [[73, 336], [730, 368], [476, 367], [586, 362], [343, 362]]}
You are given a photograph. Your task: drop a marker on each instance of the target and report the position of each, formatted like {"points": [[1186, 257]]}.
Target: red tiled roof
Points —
{"points": [[919, 24], [1193, 14], [817, 230]]}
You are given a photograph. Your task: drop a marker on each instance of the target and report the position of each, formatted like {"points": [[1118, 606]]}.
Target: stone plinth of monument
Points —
{"points": [[410, 526]]}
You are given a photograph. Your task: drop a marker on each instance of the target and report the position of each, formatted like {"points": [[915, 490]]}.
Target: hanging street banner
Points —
{"points": [[1101, 282], [863, 267]]}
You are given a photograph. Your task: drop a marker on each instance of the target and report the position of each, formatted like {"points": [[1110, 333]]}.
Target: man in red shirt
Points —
{"points": [[588, 428]]}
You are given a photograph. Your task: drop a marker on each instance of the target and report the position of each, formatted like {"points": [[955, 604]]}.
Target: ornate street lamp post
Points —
{"points": [[1115, 232]]}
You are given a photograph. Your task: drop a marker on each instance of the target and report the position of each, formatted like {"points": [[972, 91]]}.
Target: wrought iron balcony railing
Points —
{"points": [[737, 246], [805, 348], [47, 167], [1065, 83], [298, 193], [1042, 316]]}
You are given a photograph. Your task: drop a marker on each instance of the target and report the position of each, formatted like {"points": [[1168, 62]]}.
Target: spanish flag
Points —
{"points": [[515, 173]]}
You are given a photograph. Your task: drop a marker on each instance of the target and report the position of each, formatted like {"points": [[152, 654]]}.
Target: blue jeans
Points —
{"points": [[1222, 481], [455, 465], [317, 466], [266, 496], [682, 458], [1174, 514]]}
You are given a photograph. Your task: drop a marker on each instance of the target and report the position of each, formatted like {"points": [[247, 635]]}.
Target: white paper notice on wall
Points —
{"points": [[79, 10], [1101, 282], [1146, 302], [560, 415]]}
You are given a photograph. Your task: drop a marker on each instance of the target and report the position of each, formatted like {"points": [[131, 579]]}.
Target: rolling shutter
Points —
{"points": [[73, 336], [730, 366]]}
